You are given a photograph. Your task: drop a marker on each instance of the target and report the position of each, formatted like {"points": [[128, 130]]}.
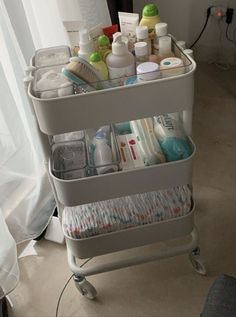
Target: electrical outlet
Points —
{"points": [[218, 12]]}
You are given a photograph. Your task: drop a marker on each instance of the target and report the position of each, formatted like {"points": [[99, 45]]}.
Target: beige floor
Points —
{"points": [[169, 288]]}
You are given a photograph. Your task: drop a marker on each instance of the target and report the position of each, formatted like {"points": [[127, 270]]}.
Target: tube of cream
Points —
{"points": [[95, 33], [72, 29], [128, 23]]}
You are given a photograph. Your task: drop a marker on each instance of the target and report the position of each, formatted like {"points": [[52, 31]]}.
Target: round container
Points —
{"points": [[172, 66], [148, 71]]}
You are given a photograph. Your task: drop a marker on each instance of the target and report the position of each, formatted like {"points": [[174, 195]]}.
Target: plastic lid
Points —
{"points": [[141, 49], [148, 71], [161, 29], [171, 62], [150, 10], [142, 32], [118, 46], [103, 40], [84, 36], [95, 57]]}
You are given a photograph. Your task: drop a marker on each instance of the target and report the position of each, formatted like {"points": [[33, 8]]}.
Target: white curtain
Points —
{"points": [[26, 199]]}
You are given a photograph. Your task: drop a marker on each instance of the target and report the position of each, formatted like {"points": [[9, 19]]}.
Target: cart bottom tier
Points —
{"points": [[128, 222]]}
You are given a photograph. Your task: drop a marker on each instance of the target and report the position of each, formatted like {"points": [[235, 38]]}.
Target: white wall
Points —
{"points": [[186, 19]]}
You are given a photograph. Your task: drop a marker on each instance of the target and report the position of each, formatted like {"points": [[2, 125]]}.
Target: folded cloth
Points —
{"points": [[120, 213]]}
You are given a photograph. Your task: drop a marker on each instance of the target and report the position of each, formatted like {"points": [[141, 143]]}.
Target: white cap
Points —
{"points": [[118, 46], [189, 52], [142, 32], [161, 29], [141, 48], [83, 36], [148, 71], [181, 44]]}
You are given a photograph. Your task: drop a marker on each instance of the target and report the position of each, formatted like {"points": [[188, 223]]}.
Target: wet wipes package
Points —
{"points": [[171, 136]]}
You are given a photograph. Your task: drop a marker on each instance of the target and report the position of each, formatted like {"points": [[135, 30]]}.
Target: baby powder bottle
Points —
{"points": [[150, 18], [97, 62], [142, 36], [120, 61], [103, 46], [160, 30], [141, 52], [85, 45]]}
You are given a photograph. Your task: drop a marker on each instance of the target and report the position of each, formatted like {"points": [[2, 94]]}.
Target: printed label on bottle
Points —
{"points": [[119, 75]]}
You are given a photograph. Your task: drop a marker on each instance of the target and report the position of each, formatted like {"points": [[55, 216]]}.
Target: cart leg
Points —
{"points": [[197, 262], [84, 287]]}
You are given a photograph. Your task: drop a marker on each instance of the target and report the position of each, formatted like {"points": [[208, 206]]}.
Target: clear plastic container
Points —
{"points": [[49, 82], [52, 56], [69, 160], [70, 136], [103, 153]]}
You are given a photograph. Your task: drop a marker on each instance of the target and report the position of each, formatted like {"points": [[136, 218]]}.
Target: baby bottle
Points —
{"points": [[103, 46], [150, 18], [97, 62]]}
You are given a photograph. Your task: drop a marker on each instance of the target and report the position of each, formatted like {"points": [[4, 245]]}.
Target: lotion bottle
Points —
{"points": [[120, 61]]}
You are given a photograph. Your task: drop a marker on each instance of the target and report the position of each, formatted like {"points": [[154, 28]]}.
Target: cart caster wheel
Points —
{"points": [[84, 287], [197, 262]]}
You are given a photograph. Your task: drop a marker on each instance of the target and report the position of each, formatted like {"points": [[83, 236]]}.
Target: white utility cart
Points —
{"points": [[77, 112]]}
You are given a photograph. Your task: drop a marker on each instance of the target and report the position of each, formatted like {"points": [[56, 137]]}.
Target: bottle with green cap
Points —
{"points": [[103, 46], [97, 62], [150, 18]]}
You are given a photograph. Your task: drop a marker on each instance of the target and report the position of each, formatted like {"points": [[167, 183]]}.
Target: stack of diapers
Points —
{"points": [[117, 214]]}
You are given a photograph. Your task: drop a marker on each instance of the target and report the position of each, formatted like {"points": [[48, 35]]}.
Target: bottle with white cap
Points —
{"points": [[85, 45], [160, 30], [141, 52], [142, 36], [120, 61]]}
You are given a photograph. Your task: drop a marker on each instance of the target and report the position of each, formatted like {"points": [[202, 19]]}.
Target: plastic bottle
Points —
{"points": [[97, 62], [103, 46], [142, 36], [103, 157], [150, 18], [160, 30], [164, 48], [120, 62], [85, 45], [141, 52]]}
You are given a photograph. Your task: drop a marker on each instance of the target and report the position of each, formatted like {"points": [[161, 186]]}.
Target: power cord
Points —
{"points": [[203, 29], [68, 281]]}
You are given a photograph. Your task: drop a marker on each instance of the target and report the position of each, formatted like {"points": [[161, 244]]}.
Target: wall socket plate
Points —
{"points": [[218, 12]]}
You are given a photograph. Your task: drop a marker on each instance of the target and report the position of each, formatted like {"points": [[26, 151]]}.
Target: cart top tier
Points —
{"points": [[171, 93]]}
